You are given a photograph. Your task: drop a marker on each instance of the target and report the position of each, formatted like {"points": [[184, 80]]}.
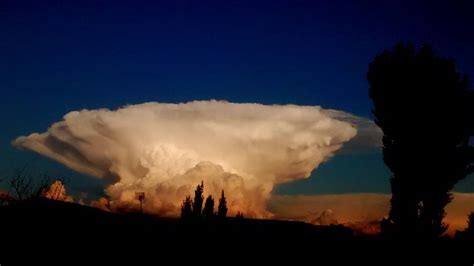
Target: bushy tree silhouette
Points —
{"points": [[187, 209], [424, 108], [470, 223], [23, 185], [208, 211], [470, 226], [198, 200], [468, 233], [240, 215], [222, 208]]}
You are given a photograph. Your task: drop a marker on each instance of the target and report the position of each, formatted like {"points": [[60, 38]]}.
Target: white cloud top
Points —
{"points": [[167, 149]]}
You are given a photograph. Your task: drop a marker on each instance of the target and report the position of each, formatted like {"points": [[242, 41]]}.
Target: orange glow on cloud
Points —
{"points": [[57, 191], [165, 150]]}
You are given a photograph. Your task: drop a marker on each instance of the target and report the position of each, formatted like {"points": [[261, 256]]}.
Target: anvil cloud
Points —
{"points": [[165, 150]]}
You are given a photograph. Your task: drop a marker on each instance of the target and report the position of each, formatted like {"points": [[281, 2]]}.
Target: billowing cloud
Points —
{"points": [[57, 191], [165, 150], [327, 217], [102, 203], [360, 211]]}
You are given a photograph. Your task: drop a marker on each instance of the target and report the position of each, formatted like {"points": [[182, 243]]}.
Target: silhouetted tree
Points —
{"points": [[240, 215], [24, 186], [198, 200], [470, 223], [468, 233], [222, 208], [424, 108], [208, 211], [187, 209]]}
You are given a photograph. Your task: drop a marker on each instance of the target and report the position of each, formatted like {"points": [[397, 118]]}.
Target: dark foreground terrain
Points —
{"points": [[43, 230], [46, 219]]}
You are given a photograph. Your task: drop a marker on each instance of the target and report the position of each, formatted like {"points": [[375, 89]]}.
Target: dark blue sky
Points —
{"points": [[59, 56]]}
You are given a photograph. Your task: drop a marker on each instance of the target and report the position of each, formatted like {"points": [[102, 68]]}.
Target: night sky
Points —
{"points": [[60, 56]]}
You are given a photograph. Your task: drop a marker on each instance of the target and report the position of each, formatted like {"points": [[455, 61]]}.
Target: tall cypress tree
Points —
{"points": [[187, 209], [208, 211], [222, 208], [198, 200], [425, 110]]}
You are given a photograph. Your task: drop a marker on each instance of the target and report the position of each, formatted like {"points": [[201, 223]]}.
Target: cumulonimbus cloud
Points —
{"points": [[165, 150]]}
